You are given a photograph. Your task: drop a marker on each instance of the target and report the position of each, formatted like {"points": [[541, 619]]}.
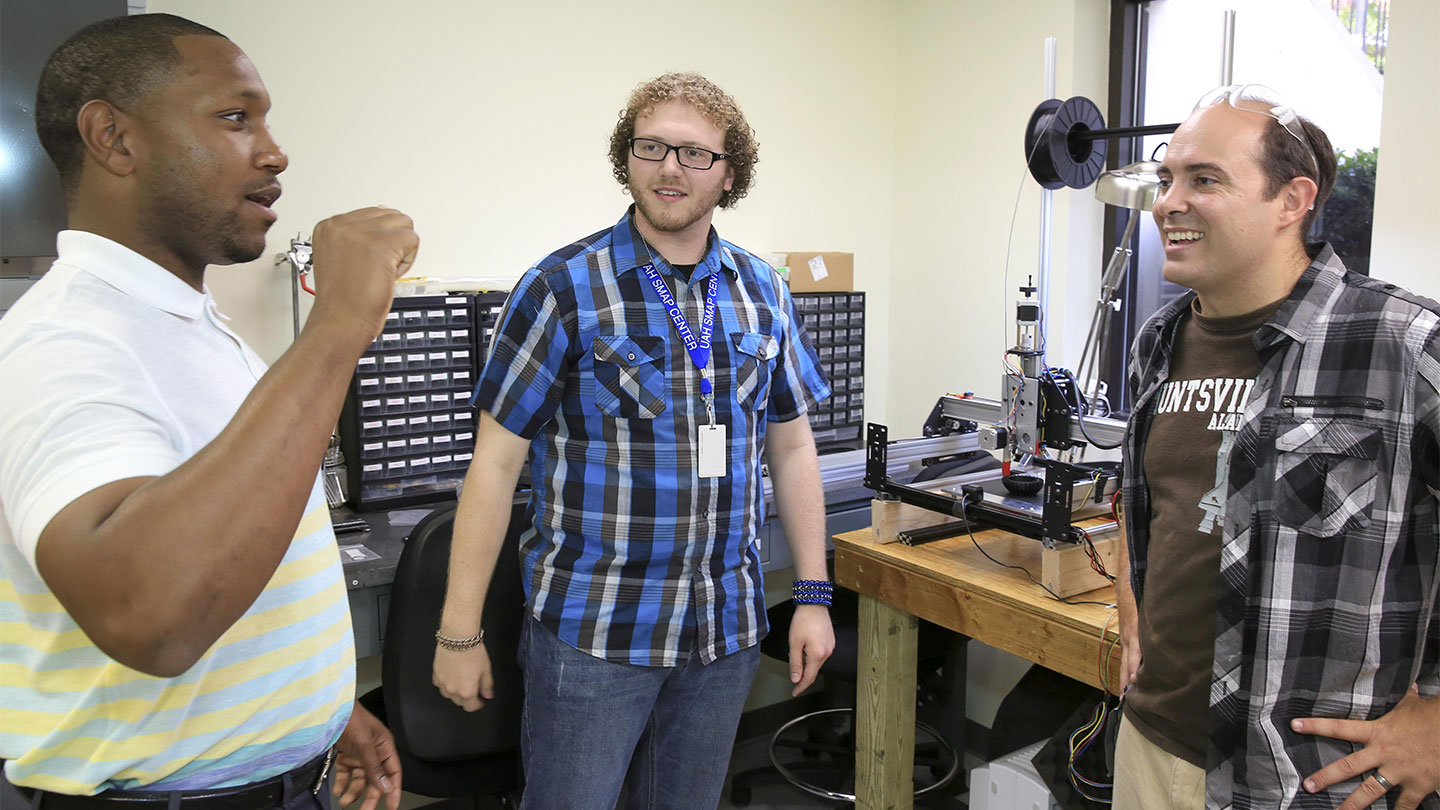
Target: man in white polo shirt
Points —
{"points": [[173, 618]]}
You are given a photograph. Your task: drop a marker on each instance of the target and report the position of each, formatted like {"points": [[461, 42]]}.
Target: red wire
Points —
{"points": [[305, 283]]}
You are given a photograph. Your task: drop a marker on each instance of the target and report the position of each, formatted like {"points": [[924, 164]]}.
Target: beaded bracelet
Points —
{"points": [[460, 643], [812, 592]]}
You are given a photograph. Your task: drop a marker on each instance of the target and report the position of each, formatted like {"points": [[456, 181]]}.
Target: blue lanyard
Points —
{"points": [[697, 347]]}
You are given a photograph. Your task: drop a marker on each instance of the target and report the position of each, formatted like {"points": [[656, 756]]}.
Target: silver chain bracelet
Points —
{"points": [[460, 643]]}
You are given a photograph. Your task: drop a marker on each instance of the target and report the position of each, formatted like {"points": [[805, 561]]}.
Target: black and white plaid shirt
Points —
{"points": [[1329, 560]]}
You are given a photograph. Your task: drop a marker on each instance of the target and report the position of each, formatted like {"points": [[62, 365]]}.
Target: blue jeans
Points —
{"points": [[590, 725]]}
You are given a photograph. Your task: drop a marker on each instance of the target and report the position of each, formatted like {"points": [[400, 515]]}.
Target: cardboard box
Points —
{"points": [[820, 272]]}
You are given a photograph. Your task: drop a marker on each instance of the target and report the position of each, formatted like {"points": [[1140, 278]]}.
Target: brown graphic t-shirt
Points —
{"points": [[1196, 414]]}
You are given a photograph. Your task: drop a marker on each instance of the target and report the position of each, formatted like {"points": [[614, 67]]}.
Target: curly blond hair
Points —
{"points": [[741, 149]]}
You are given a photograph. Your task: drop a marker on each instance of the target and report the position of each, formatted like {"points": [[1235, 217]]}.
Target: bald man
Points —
{"points": [[1280, 495]]}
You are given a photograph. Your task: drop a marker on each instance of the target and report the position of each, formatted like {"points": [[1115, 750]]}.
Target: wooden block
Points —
{"points": [[1067, 571], [889, 518], [885, 707]]}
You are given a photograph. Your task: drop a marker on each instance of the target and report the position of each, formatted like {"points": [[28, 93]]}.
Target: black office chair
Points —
{"points": [[446, 752]]}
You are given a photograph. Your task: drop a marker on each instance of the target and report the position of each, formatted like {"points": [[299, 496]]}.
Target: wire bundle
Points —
{"points": [[1080, 741]]}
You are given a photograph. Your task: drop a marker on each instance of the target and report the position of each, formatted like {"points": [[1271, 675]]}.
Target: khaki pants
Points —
{"points": [[1147, 777]]}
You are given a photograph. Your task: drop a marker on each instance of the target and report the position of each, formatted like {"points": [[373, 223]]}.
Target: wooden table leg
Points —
{"points": [[885, 708]]}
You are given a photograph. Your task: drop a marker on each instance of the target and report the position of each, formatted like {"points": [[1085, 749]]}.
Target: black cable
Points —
{"points": [[1082, 405], [1057, 597]]}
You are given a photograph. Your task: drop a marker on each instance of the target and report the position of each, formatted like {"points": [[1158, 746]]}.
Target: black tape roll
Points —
{"points": [[1055, 158]]}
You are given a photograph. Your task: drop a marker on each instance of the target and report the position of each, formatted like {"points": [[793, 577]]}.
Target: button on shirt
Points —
{"points": [[633, 557], [1328, 565]]}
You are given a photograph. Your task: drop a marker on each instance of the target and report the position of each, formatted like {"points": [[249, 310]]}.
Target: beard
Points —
{"points": [[674, 218], [192, 219]]}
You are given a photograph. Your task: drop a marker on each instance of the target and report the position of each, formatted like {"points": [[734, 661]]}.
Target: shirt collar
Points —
{"points": [[629, 251], [131, 273], [1294, 318], [1310, 297]]}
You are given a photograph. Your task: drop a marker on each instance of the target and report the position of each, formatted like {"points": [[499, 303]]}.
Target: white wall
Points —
{"points": [[970, 74], [489, 123], [1407, 210]]}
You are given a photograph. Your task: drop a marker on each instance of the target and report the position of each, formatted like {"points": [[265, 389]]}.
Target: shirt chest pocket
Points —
{"points": [[754, 359], [1326, 476], [630, 380]]}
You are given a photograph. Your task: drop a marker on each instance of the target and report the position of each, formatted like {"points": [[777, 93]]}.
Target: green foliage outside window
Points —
{"points": [[1345, 222]]}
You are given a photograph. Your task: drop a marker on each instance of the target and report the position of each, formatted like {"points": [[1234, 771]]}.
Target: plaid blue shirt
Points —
{"points": [[632, 556], [1331, 550]]}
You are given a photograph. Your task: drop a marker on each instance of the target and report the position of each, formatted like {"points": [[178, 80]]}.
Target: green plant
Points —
{"points": [[1345, 221]]}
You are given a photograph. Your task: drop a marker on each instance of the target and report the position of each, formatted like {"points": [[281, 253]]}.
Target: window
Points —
{"points": [[1325, 56]]}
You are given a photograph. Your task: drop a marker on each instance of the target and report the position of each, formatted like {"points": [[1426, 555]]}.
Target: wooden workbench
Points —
{"points": [[949, 582]]}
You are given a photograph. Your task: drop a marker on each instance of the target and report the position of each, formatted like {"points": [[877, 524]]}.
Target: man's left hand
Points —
{"points": [[1403, 746], [812, 639], [366, 762]]}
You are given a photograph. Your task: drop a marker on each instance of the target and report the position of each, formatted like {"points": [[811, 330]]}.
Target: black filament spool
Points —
{"points": [[1057, 156]]}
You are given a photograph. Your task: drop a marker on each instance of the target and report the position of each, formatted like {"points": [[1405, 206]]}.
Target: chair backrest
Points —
{"points": [[423, 721]]}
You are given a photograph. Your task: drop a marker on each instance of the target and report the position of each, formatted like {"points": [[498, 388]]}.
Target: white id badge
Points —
{"points": [[712, 451]]}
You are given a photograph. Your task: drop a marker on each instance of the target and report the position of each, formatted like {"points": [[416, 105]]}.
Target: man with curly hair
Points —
{"points": [[644, 437]]}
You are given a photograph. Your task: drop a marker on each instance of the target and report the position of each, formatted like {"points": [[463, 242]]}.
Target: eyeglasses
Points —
{"points": [[691, 157], [1257, 98]]}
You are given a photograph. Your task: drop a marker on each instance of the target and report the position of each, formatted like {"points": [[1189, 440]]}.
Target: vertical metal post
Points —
{"points": [[1227, 49], [1047, 198], [295, 297]]}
